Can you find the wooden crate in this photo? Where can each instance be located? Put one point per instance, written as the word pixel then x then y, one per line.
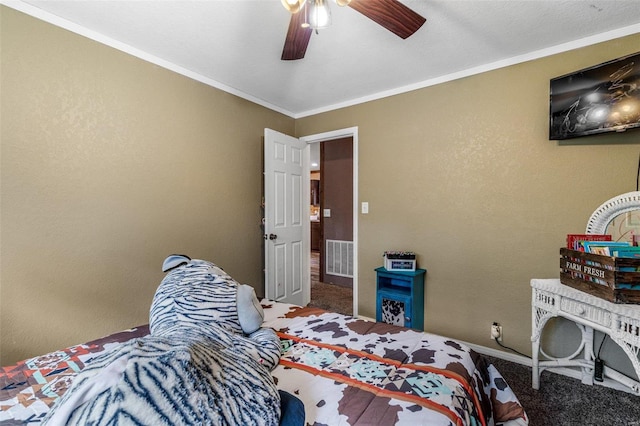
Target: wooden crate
pixel 615 279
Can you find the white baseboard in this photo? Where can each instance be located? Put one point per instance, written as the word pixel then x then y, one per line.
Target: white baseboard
pixel 362 317
pixel 496 353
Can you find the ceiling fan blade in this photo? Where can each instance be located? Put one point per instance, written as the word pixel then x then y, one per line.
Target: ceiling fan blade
pixel 295 45
pixel 391 14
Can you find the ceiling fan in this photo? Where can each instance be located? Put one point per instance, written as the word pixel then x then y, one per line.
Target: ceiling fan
pixel 307 15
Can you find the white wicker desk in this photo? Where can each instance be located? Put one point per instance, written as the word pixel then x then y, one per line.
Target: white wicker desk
pixel 550 299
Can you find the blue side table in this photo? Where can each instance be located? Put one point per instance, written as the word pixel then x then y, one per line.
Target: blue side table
pixel 400 297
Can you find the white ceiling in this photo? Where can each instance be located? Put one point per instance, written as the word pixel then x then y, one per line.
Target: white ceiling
pixel 236 45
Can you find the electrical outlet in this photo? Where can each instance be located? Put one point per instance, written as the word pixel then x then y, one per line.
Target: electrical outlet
pixel 496 332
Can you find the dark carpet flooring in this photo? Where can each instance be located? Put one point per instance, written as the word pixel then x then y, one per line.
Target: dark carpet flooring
pixel 564 401
pixel 331 297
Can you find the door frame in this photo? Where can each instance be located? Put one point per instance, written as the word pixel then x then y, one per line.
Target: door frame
pixel 323 137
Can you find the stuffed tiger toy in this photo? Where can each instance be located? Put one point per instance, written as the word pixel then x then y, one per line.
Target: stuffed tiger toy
pixel 206 360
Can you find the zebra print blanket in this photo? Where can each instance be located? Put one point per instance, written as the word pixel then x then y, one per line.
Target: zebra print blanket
pixel 196 367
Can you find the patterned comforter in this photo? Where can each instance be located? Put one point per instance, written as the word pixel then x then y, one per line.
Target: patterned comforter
pixel 353 372
pixel 345 371
pixel 29 388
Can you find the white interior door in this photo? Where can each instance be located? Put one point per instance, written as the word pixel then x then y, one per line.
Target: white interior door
pixel 286 190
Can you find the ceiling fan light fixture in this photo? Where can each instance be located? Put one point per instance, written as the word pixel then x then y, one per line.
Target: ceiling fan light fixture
pixel 319 14
pixel 293 6
pixel 343 3
pixel 305 15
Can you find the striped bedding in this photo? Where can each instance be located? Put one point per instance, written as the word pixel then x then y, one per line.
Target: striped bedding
pixel 345 371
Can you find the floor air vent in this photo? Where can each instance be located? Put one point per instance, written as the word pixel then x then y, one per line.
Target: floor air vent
pixel 339 258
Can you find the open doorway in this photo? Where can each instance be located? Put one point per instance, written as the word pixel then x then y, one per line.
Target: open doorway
pixel 332 224
pixel 286 229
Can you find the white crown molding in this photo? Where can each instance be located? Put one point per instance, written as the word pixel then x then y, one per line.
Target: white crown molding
pixel 560 48
pixel 100 38
pixel 78 29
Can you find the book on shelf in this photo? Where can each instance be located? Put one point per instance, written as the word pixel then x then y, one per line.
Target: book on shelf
pixel 574 240
pixel 632 252
pixel 604 248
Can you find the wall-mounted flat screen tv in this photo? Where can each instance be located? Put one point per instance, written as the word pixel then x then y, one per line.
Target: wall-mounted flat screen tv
pixel 603 98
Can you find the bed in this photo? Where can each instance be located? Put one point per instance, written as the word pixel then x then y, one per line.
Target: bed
pixel 346 372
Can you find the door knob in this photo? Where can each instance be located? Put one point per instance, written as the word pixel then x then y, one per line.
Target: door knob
pixel 273 236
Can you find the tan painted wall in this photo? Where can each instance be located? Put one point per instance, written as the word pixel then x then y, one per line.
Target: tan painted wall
pixel 463 174
pixel 109 164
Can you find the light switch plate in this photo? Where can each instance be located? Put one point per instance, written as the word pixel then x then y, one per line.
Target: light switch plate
pixel 365 207
pixel 326 212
